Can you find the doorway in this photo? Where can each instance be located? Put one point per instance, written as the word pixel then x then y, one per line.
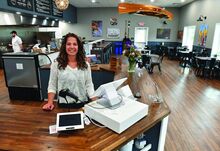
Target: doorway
pixel 140 37
pixel 188 36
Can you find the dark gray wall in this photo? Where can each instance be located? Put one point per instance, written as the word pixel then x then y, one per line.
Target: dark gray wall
pixel 190 13
pixel 86 15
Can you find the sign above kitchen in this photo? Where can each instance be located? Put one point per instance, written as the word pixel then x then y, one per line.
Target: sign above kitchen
pixel 42 6
pixel 23 4
pixel 56 11
pixel 45 7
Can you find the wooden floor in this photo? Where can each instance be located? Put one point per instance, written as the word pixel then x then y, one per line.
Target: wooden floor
pixel 194 122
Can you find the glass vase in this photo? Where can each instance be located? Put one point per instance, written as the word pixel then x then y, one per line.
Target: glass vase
pixel 131 66
pixel 154 93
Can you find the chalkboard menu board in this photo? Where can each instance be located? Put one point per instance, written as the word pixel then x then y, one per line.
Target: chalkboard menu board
pixel 56 12
pixel 23 4
pixel 47 7
pixel 43 6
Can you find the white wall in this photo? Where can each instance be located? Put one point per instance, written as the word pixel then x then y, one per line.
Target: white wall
pixel 190 13
pixel 86 15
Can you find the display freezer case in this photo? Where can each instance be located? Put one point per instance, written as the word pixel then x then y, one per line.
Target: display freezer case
pixel 22 75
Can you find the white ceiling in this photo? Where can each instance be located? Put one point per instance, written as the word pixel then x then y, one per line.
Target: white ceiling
pixel 114 3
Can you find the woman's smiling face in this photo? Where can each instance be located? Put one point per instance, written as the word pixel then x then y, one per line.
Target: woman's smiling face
pixel 71 46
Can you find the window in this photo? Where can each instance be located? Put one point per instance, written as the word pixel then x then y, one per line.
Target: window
pixel 216 43
pixel 188 36
pixel 141 37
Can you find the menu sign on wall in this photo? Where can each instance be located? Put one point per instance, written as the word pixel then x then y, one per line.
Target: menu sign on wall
pixel 56 11
pixel 23 4
pixel 43 6
pixel 47 7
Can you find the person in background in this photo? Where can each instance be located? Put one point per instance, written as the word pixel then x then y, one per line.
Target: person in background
pixel 72 72
pixel 83 40
pixel 52 43
pixel 16 42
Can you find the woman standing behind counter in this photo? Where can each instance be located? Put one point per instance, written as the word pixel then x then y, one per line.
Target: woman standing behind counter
pixel 72 72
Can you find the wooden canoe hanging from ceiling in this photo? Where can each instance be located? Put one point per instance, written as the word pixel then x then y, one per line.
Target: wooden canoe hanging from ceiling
pixel 142 9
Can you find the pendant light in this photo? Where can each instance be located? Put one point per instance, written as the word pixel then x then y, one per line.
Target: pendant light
pixel 62 4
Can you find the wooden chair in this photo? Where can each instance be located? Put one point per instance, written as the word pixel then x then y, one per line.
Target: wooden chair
pixel 200 67
pixel 209 69
pixel 216 70
pixel 155 61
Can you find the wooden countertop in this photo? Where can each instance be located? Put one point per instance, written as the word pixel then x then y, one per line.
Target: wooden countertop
pixel 24 125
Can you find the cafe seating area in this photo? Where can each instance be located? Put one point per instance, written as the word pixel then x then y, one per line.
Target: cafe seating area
pixel 199 60
pixel 207 67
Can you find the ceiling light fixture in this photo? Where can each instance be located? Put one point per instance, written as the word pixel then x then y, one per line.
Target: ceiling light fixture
pixel 62 4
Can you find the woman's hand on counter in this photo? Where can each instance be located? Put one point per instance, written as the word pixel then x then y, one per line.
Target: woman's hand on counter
pixel 48 107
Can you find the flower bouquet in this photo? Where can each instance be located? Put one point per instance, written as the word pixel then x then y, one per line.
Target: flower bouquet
pixel 132 55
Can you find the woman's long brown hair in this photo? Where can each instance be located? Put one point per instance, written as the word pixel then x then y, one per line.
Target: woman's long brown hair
pixel 80 56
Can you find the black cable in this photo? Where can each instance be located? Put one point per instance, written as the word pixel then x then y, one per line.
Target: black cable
pixel 67 105
pixel 76 104
pixel 94 122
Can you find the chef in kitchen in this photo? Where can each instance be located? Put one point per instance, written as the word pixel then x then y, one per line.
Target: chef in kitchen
pixel 16 42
